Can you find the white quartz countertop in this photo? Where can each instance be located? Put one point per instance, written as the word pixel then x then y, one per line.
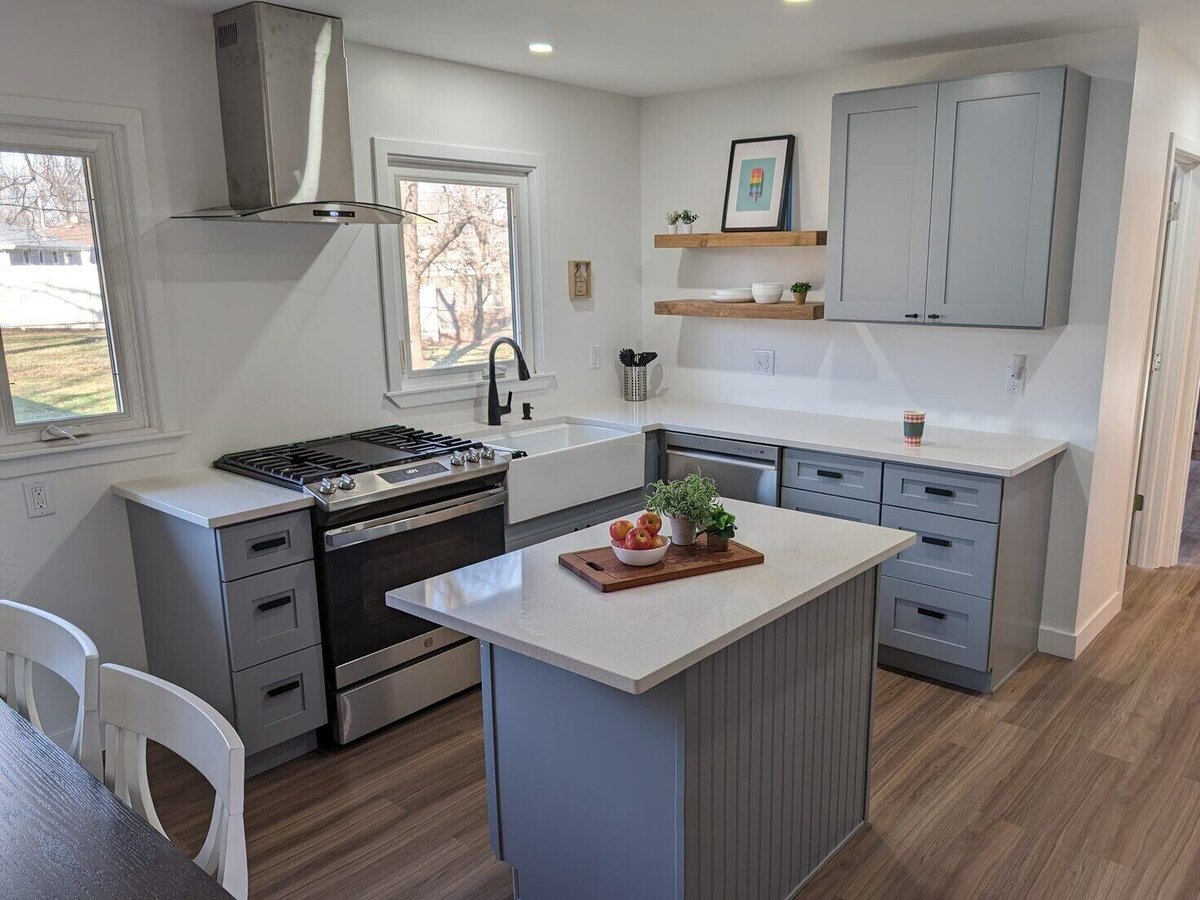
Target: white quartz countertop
pixel 982 452
pixel 637 638
pixel 211 497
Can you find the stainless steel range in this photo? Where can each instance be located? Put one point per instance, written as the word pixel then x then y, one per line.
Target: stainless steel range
pixel 393 506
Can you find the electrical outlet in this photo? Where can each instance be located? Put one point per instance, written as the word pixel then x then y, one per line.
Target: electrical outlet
pixel 1015 384
pixel 594 356
pixel 764 362
pixel 39 501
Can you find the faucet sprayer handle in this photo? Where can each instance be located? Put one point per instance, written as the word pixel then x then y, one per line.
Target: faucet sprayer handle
pixel 507 407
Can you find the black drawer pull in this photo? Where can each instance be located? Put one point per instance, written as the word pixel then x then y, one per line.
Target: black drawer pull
pixel 933 316
pixel 912 315
pixel 932 613
pixel 939 492
pixel 284 688
pixel 268 544
pixel 275 603
pixel 937 542
pixel 828 473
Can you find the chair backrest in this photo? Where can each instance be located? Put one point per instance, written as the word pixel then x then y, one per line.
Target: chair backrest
pixel 135 707
pixel 29 635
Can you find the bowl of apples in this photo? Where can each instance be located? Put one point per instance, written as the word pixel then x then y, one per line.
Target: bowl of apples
pixel 639 543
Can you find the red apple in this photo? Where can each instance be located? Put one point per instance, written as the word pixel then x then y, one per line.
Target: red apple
pixel 619 529
pixel 639 539
pixel 651 521
pixel 659 541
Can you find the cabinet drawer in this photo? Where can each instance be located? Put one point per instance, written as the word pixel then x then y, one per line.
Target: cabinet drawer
pixel 933 622
pixel 952 493
pixel 827 473
pixel 280 699
pixel 265 544
pixel 271 614
pixel 828 505
pixel 955 554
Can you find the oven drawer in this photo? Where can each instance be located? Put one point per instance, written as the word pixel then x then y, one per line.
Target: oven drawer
pixel 828 505
pixel 271 614
pixel 950 553
pixel 265 544
pixel 280 699
pixel 951 493
pixel 932 622
pixel 827 473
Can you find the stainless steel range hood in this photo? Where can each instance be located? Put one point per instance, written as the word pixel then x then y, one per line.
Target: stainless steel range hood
pixel 285 114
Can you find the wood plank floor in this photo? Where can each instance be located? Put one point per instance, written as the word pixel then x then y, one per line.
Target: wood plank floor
pixel 1075 780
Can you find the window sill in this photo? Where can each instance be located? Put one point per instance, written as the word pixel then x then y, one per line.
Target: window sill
pixel 53 456
pixel 432 395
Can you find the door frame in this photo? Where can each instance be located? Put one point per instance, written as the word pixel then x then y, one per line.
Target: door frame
pixel 1172 392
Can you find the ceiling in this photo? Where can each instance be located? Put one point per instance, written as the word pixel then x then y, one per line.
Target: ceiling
pixel 645 47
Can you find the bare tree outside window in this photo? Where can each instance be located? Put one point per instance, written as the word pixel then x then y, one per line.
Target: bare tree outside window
pixel 54 329
pixel 458 272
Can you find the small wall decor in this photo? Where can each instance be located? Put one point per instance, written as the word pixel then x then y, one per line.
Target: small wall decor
pixel 579 279
pixel 758 187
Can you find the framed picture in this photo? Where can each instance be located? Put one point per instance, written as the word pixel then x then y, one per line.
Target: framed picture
pixel 758 187
pixel 579 279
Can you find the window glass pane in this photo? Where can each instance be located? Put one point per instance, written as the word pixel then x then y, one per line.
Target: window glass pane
pixel 458 272
pixel 53 320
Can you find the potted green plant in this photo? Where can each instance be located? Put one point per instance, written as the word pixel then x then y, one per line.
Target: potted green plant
pixel 673 218
pixel 686 503
pixel 720 529
pixel 800 291
pixel 686 218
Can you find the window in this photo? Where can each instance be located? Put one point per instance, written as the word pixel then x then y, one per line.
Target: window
pixel 455 285
pixel 66 321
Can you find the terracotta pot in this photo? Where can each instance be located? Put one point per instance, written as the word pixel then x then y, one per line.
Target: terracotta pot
pixel 800 296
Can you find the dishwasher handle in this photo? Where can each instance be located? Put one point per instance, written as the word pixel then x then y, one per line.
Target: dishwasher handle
pixel 724 459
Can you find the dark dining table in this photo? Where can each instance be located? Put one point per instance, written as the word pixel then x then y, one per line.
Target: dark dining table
pixel 64 835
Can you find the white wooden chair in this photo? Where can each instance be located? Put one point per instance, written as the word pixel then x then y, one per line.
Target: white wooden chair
pixel 29 635
pixel 135 707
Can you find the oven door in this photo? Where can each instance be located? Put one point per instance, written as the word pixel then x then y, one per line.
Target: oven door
pixel 360 563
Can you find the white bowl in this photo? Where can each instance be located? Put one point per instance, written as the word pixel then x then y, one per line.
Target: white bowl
pixel 642 557
pixel 767 286
pixel 768 296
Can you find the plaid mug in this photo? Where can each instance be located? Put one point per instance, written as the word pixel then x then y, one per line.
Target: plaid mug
pixel 914 427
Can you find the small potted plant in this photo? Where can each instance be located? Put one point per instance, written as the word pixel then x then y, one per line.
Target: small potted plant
pixel 673 218
pixel 686 218
pixel 800 291
pixel 720 529
pixel 686 504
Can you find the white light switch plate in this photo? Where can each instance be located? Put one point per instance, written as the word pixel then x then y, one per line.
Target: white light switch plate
pixel 39 500
pixel 594 356
pixel 764 362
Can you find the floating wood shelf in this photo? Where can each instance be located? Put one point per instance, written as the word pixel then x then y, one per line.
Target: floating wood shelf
pixel 743 239
pixel 712 309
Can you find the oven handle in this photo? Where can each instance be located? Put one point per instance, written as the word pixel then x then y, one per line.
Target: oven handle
pixel 410 520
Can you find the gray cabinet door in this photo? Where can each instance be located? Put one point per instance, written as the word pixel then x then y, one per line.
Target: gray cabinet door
pixel 995 172
pixel 880 187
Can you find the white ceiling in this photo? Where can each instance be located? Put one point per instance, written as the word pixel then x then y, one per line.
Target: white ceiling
pixel 645 47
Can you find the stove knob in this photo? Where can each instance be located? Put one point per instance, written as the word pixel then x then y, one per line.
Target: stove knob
pixel 473 455
pixel 488 453
pixel 347 483
pixel 457 459
pixel 327 487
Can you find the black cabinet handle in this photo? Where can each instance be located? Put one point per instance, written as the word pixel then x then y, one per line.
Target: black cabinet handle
pixel 939 492
pixel 933 316
pixel 284 688
pixel 938 542
pixel 275 603
pixel 933 614
pixel 268 544
pixel 826 473
pixel 912 315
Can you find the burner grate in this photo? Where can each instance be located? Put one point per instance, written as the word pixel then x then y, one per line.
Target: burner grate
pixel 422 444
pixel 294 463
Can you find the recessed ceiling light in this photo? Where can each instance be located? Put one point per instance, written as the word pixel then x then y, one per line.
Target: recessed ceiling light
pixel 795 1
pixel 541 48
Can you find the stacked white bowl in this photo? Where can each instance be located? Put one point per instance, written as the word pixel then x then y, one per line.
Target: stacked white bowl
pixel 766 291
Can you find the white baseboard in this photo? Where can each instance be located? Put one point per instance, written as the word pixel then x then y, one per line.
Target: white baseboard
pixel 1058 642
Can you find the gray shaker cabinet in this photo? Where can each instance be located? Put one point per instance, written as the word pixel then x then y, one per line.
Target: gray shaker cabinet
pixel 999 235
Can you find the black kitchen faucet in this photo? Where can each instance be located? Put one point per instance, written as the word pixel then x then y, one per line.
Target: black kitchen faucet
pixel 495 410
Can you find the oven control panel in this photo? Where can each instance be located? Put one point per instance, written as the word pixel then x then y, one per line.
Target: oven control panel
pixel 407 473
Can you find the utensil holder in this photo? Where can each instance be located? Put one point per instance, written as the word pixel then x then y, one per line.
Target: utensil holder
pixel 634 384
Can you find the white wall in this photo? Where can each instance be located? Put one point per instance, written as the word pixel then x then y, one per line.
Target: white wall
pixel 274 331
pixel 1166 98
pixel 956 375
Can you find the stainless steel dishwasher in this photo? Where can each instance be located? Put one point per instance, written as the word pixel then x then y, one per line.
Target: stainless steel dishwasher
pixel 742 470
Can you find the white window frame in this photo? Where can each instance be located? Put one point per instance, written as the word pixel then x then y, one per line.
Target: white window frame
pixel 113 140
pixel 395 160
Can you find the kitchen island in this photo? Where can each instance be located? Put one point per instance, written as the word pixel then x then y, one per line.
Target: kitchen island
pixel 700 738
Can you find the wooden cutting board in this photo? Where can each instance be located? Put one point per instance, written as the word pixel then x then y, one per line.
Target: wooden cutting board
pixel 602 570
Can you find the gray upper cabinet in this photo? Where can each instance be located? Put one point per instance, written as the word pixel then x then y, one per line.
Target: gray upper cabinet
pixel 881 177
pixel 998 236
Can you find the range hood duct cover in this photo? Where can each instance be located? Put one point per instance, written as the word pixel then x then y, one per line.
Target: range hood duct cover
pixel 285 116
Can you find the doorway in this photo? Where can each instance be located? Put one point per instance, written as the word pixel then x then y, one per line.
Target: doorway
pixel 1168 492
